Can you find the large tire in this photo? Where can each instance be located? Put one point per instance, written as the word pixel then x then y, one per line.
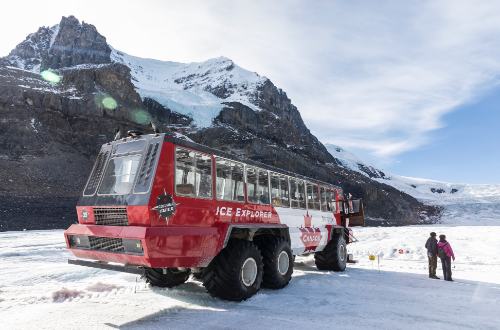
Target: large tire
pixel 334 256
pixel 171 278
pixel 198 276
pixel 236 273
pixel 278 261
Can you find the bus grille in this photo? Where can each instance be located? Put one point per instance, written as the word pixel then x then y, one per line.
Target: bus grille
pixel 106 244
pixel 111 216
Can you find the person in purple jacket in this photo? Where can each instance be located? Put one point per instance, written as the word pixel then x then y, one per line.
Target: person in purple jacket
pixel 445 253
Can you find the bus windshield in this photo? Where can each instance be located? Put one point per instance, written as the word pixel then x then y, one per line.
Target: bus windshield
pixel 120 175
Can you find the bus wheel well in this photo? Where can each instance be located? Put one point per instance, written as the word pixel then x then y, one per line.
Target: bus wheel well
pixel 251 233
pixel 340 231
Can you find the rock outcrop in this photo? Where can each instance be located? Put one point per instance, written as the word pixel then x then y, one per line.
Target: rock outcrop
pixel 66 44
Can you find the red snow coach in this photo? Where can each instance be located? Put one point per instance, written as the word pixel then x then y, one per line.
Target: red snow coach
pixel 165 208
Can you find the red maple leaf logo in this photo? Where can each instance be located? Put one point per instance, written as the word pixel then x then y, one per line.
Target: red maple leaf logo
pixel 310 236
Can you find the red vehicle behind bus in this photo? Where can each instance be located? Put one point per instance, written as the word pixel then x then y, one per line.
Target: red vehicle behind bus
pixel 166 208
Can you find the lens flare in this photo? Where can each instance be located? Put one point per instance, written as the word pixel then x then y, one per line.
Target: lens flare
pixel 109 103
pixel 141 117
pixel 51 76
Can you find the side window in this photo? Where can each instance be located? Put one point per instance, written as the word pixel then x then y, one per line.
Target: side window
pixel 275 189
pixel 193 174
pixel 263 187
pixel 284 192
pixel 279 190
pixel 229 184
pixel 184 172
pixel 239 182
pixel 257 185
pixel 203 176
pixel 333 199
pixel 325 205
pixel 293 193
pixel 330 199
pixel 312 196
pixel 252 184
pixel 297 193
pixel 301 193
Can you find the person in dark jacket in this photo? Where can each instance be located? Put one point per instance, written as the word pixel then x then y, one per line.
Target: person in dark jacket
pixel 432 252
pixel 445 253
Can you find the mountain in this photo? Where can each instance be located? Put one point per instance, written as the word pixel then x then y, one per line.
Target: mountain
pixel 466 204
pixel 66 44
pixel 194 89
pixel 64 91
pixel 351 161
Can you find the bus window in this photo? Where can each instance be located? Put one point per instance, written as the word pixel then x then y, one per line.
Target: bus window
pixel 312 196
pixel 193 174
pixel 263 187
pixel 275 189
pixel 279 190
pixel 297 193
pixel 238 178
pixel 325 205
pixel 229 184
pixel 251 184
pixel 184 172
pixel 330 199
pixel 203 176
pixel 293 193
pixel 301 194
pixel 284 192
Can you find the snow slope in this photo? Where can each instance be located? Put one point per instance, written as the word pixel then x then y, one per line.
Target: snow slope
pixel 353 162
pixel 463 204
pixel 39 290
pixel 194 89
pixel 444 193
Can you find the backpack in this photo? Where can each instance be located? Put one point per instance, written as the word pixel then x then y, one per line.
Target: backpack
pixel 441 253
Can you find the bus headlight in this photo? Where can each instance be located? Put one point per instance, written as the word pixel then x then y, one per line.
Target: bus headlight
pixel 133 246
pixel 79 241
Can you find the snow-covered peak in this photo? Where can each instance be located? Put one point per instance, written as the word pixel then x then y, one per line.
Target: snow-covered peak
pixel 195 89
pixel 220 76
pixel 352 162
pixel 66 44
pixel 426 190
pixel 28 55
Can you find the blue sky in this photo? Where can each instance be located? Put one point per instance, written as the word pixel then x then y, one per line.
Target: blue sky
pixel 397 82
pixel 467 149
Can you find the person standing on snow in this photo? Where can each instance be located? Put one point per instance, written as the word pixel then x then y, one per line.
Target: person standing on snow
pixel 432 252
pixel 445 253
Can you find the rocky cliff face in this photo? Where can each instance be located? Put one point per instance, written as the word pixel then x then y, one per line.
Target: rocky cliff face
pixel 51 127
pixel 66 44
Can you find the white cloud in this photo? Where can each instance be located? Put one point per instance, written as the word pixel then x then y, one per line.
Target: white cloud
pixel 376 76
pixel 400 71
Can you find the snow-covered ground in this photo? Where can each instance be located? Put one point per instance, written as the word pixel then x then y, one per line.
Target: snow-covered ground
pixel 39 290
